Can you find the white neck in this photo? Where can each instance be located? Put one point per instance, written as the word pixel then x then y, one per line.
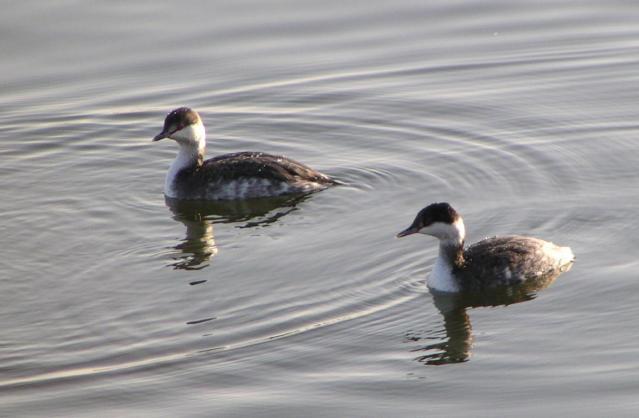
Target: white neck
pixel 441 277
pixel 187 156
pixel 451 240
pixel 192 142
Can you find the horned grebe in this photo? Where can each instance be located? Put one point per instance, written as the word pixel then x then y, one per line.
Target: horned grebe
pixel 490 263
pixel 239 175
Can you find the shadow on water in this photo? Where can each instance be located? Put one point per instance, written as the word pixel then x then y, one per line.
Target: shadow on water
pixel 454 343
pixel 195 251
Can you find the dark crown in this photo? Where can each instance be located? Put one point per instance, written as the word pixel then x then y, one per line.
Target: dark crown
pixel 436 212
pixel 181 117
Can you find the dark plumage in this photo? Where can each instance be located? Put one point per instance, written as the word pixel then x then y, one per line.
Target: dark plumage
pixel 436 212
pixel 506 261
pixel 231 176
pixel 262 174
pixel 487 264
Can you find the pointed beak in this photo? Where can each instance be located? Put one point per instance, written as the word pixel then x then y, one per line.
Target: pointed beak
pixel 161 135
pixel 408 231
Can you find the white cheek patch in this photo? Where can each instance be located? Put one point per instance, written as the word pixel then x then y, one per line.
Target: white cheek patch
pixel 193 135
pixel 446 232
pixel 437 229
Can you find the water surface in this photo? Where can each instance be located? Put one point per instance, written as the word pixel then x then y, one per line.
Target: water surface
pixel 115 302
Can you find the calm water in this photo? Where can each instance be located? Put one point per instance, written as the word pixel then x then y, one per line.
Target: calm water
pixel 114 302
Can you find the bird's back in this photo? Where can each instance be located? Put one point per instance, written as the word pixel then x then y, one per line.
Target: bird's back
pixel 511 260
pixel 246 175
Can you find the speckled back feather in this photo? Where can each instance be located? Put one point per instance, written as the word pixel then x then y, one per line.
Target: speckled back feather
pixel 252 174
pixel 508 261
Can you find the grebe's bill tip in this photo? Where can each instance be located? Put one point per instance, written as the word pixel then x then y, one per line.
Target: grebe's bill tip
pixel 159 136
pixel 408 231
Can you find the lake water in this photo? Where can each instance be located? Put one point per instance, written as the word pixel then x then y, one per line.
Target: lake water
pixel 114 302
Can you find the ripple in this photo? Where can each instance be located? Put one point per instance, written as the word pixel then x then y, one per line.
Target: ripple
pixel 521 115
pixel 332 317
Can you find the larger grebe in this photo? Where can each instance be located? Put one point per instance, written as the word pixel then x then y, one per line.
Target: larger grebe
pixel 490 263
pixel 239 175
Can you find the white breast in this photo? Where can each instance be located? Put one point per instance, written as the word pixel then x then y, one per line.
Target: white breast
pixel 186 157
pixel 441 278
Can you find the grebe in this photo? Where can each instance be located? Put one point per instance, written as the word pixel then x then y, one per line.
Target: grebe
pixel 238 175
pixel 490 263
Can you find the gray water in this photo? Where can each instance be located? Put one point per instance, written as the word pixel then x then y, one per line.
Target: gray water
pixel 113 302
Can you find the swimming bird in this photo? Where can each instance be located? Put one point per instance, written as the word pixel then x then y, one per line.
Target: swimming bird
pixel 491 263
pixel 239 175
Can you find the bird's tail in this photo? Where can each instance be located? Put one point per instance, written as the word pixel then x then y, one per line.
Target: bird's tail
pixel 565 257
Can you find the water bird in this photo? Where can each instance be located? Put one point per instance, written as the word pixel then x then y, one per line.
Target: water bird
pixel 239 175
pixel 488 264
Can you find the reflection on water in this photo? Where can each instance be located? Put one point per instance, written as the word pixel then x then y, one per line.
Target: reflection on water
pixel 194 252
pixel 453 344
pixel 523 113
pixel 197 248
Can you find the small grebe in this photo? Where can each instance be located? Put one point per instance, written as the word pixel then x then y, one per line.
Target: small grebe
pixel 238 175
pixel 490 263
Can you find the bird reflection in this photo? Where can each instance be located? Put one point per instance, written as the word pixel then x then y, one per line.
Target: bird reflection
pixel 195 251
pixel 453 344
